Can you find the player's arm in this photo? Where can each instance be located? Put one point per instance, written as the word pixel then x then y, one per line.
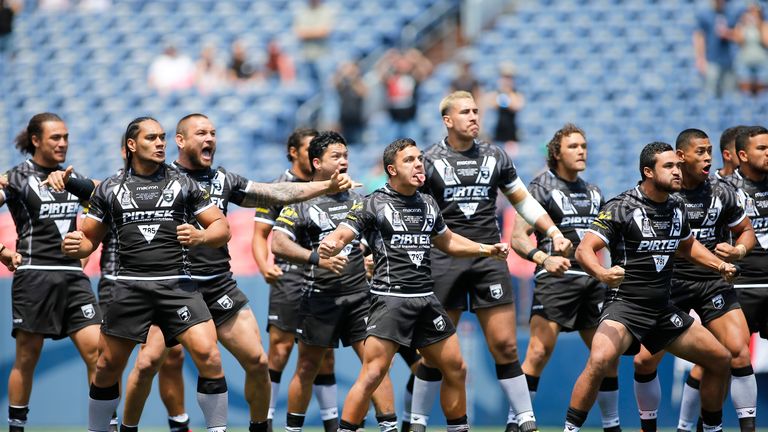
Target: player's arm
pixel 9 258
pixel 745 240
pixel 284 247
pixel 586 255
pixel 535 215
pixel 80 244
pixel 459 246
pixel 523 246
pixel 215 232
pixel 334 242
pixel 3 186
pixel 63 180
pixel 697 253
pixel 272 194
pixel 260 250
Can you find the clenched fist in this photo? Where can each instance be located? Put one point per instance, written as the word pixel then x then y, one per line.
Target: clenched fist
pixel 188 235
pixel 613 276
pixel 71 243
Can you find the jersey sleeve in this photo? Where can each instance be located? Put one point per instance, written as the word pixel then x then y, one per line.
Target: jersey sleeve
pixel 289 221
pixel 238 186
pixel 685 230
pixel 508 178
pixel 98 205
pixel 735 212
pixel 12 190
pixel 607 225
pixel 198 199
pixel 360 217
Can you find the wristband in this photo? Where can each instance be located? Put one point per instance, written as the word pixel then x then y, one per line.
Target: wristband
pixel 554 230
pixel 742 250
pixel 483 252
pixel 314 258
pixel 533 252
pixel 79 187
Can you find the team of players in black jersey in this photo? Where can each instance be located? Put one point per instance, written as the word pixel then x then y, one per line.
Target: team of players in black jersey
pixel 435 250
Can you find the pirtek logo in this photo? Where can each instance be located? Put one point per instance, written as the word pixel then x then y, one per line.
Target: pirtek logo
pixel 456 192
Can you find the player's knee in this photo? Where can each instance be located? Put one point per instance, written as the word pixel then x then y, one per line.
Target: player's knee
pixel 374 374
pixel 644 365
pixel 329 361
pixel 504 350
pixel 720 359
pixel 256 363
pixel 147 366
pixel 208 361
pixel 279 352
pixel 455 369
pixel 601 362
pixel 538 353
pixel 740 356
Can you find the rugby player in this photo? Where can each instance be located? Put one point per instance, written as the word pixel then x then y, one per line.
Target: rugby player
pixel 728 151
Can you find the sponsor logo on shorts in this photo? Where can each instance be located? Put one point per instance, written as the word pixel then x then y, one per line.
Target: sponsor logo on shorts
pixel 299 331
pixel 18 320
pixel 439 323
pixel 369 328
pixel 273 317
pixel 537 307
pixel 225 302
pixel 184 313
pixel 365 320
pixel 718 301
pixel 88 311
pixel 676 320
pixel 496 291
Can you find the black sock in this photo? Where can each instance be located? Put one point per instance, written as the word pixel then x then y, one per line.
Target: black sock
pixel 576 417
pixel 387 422
pixel 275 376
pixel 124 428
pixel 258 427
pixel 177 426
pixel 648 425
pixel 17 416
pixel 533 382
pixel 294 421
pixel 345 426
pixel 712 418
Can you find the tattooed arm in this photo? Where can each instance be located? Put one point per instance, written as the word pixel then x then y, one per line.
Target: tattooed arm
pixel 270 194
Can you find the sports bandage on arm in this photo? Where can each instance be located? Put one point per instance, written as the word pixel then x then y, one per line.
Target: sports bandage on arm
pixel 530 209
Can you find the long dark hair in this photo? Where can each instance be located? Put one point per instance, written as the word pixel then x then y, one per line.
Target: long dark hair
pixel 23 140
pixel 131 132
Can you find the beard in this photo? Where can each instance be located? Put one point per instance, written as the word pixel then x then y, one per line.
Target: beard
pixel 667 187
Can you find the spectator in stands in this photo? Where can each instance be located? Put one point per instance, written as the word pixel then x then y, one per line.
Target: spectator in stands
pixel 240 67
pixel 279 64
pixel 352 92
pixel 751 33
pixel 171 71
pixel 53 5
pixel 712 43
pixel 93 6
pixel 401 74
pixel 507 101
pixel 8 9
pixel 313 24
pixel 466 81
pixel 210 75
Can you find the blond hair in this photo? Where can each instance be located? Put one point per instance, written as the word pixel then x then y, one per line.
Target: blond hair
pixel 447 101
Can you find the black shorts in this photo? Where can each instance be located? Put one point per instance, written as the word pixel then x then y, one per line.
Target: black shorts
pixel 52 303
pixel 573 300
pixel 470 283
pixel 174 305
pixel 325 318
pixel 710 299
pixel 754 303
pixel 415 322
pixel 654 328
pixel 223 297
pixel 284 300
pixel 104 290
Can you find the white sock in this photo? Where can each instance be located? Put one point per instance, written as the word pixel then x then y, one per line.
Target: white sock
pixel 690 405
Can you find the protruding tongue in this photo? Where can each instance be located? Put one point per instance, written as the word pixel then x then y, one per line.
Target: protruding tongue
pixel 421 177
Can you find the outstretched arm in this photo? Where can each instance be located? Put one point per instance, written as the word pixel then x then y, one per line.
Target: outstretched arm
pixel 459 246
pixel 271 194
pixel 284 247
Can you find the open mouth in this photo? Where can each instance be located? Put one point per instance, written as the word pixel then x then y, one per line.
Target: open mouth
pixel 420 177
pixel 207 153
pixel 706 169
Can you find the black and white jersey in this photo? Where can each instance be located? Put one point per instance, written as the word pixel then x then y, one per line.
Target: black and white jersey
pixel 753 198
pixel 145 212
pixel 308 223
pixel 223 187
pixel 42 217
pixel 713 209
pixel 642 236
pixel 399 230
pixel 268 215
pixel 465 186
pixel 571 205
pixel 108 262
